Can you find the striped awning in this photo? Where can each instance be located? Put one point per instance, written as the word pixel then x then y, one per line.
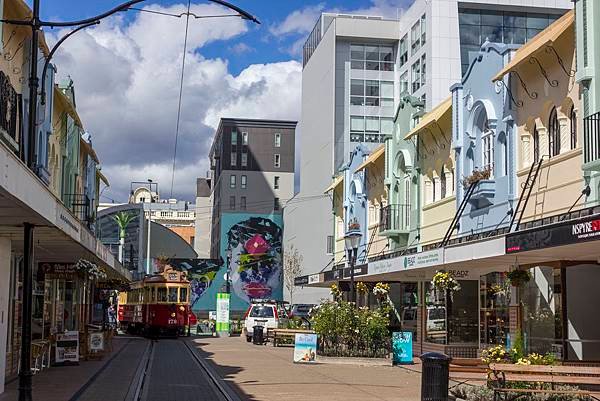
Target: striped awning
pixel 433 116
pixel 538 43
pixel 373 157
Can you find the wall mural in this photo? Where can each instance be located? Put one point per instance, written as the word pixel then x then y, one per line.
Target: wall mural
pixel 202 274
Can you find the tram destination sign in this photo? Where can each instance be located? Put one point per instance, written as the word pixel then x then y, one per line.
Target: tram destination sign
pixel 570 232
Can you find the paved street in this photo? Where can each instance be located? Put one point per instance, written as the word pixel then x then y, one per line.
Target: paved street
pixel 266 373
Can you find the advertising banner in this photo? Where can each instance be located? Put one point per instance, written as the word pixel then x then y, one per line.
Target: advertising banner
pixel 96 341
pixel 67 347
pixel 305 348
pixel 402 346
pixel 222 312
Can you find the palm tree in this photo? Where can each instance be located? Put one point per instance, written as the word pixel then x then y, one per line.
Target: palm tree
pixel 122 219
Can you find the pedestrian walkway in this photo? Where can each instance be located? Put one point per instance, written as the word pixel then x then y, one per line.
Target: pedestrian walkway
pixel 267 373
pixel 82 382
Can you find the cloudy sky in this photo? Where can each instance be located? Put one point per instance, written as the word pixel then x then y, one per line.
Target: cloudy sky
pixel 127 71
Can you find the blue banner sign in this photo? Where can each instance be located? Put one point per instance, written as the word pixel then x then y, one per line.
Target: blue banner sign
pixel 402 346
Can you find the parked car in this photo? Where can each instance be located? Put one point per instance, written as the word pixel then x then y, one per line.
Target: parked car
pixel 301 310
pixel 266 313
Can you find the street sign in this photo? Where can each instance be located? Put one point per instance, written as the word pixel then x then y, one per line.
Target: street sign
pixel 223 312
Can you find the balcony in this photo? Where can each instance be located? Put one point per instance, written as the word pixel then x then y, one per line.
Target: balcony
pixel 591 138
pixel 10 113
pixel 394 220
pixel 483 194
pixel 80 205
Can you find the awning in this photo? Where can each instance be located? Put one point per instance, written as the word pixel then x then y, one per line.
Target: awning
pixel 66 103
pixel 373 157
pixel 103 178
pixel 88 149
pixel 434 115
pixel 538 42
pixel 336 181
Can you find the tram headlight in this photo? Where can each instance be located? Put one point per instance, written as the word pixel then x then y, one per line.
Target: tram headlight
pixel 181 308
pixel 173 314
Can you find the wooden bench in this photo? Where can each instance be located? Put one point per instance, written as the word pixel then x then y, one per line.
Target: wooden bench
pixel 287 334
pixel 502 374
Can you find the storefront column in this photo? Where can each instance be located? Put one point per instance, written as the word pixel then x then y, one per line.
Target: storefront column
pixel 25 371
pixel 5 257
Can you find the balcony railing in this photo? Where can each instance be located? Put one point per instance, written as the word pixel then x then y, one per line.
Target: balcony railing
pixel 80 205
pixel 591 138
pixel 10 111
pixel 394 219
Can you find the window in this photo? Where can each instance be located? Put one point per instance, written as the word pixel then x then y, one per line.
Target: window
pixel 573 118
pixel 232 202
pixel 276 205
pixel 232 181
pixel 434 189
pixel 277 140
pixel 233 159
pixel 244 159
pixel 172 294
pixel 423 70
pixel 233 137
pixel 330 244
pixel 404 82
pixel 403 50
pixel 243 203
pixel 370 129
pixel 371 93
pixel 423 29
pixel 243 181
pixel 416 75
pixel 407 201
pixel 415 37
pixel 372 57
pixel 443 183
pixel 487 147
pixel 161 294
pixel 277 160
pixel 244 138
pixel 387 93
pixel 276 182
pixel 553 134
pixel 183 294
pixel 536 144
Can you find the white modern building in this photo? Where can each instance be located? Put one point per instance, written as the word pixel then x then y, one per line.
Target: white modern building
pixel 355 70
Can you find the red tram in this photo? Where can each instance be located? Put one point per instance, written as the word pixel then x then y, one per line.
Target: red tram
pixel 159 305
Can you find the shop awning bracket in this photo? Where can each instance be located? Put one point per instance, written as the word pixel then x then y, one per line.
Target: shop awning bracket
pixel 569 72
pixel 517 103
pixel 532 94
pixel 534 60
pixel 458 214
pixel 527 187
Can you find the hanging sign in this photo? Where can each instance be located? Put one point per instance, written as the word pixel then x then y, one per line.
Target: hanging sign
pixel 305 348
pixel 67 347
pixel 223 312
pixel 402 346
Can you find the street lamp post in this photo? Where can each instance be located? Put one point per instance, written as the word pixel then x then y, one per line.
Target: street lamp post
pixel 149 226
pixel 352 241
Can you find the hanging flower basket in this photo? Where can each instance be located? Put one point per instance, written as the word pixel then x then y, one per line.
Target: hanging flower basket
pixel 92 270
pixel 381 290
pixel 444 281
pixel 518 277
pixel 362 288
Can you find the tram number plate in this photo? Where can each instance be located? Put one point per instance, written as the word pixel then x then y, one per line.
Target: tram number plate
pixel 172 321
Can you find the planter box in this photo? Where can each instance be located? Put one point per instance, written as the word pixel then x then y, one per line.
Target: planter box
pixel 484 193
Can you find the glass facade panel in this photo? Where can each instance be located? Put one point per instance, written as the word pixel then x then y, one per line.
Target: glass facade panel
pixel 404 82
pixel 357 123
pixel 387 126
pixel 387 89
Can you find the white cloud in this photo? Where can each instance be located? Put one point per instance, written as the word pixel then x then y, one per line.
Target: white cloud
pixel 241 48
pixel 126 77
pixel 299 21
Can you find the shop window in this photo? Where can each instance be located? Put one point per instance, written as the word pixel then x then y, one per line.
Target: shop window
pixel 494 299
pixel 553 134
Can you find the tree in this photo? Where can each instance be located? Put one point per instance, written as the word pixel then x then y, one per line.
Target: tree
pixel 292 268
pixel 122 219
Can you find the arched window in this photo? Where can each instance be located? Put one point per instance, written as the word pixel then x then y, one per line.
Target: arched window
pixel 443 183
pixel 553 134
pixel 536 144
pixel 573 118
pixel 487 142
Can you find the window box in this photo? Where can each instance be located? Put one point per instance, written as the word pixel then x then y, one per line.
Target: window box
pixel 483 194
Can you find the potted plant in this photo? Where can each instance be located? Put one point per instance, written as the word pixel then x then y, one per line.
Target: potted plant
pixel 518 277
pixel 476 176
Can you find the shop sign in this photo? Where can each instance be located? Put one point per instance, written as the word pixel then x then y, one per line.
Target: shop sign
pixel 67 347
pixel 582 230
pixel 402 347
pixel 423 259
pixel 313 278
pixel 358 271
pixel 223 312
pixel 66 222
pixel 96 341
pixel 302 280
pixel 383 266
pixel 305 348
pixel 58 270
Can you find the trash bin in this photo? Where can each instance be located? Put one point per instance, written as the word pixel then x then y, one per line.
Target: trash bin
pixel 434 377
pixel 257 335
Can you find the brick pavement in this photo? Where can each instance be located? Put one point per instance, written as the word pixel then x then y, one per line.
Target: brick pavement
pixel 267 373
pixel 62 383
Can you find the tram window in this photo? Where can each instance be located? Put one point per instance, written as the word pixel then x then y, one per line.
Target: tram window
pixel 173 294
pixel 183 294
pixel 161 294
pixel 152 294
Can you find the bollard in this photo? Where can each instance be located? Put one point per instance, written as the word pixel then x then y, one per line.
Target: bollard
pixel 435 376
pixel 257 335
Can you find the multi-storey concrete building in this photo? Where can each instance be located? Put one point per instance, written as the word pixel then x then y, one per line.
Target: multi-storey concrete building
pixel 357 68
pixel 203 218
pixel 252 177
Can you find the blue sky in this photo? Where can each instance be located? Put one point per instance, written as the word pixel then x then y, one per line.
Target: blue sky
pixel 126 73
